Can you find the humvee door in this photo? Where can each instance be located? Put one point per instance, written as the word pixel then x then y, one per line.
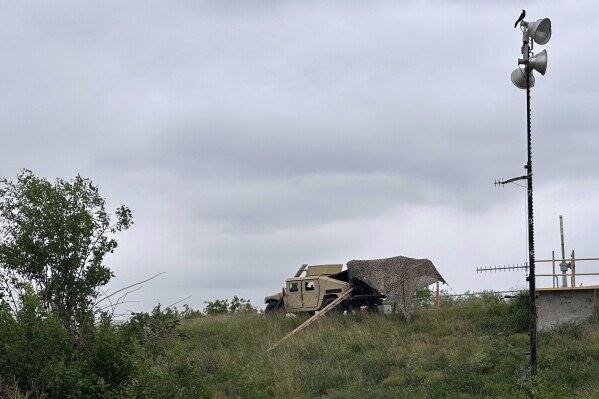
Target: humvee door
pixel 302 294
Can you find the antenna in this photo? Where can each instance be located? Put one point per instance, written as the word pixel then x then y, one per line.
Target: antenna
pixel 501 182
pixel 563 266
pixel 523 266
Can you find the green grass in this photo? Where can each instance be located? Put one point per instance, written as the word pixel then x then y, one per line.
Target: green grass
pixel 467 349
pixel 470 348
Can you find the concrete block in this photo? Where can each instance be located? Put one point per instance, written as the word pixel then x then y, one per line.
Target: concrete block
pixel 565 305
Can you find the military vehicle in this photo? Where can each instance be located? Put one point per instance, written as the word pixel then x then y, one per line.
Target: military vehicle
pixel 363 284
pixel 314 287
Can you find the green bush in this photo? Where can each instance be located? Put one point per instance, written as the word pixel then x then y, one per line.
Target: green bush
pixel 144 357
pixel 40 355
pixel 223 306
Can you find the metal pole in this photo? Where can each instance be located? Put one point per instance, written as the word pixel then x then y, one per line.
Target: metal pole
pixel 577 259
pixel 564 269
pixel 554 278
pixel 531 236
pixel 561 233
pixel 573 267
pixel 570 274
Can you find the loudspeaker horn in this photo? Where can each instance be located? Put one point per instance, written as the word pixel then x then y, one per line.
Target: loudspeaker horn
pixel 539 62
pixel 519 78
pixel 540 30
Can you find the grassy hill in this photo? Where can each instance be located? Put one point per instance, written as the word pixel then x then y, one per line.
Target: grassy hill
pixel 469 348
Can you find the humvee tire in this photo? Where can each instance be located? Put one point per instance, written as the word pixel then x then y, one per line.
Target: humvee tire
pixel 271 307
pixel 337 309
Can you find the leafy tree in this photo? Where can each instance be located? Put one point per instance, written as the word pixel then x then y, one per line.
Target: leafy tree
pixel 222 306
pixel 240 305
pixel 218 306
pixel 53 237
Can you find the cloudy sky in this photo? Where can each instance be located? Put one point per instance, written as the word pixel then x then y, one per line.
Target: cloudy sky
pixel 249 137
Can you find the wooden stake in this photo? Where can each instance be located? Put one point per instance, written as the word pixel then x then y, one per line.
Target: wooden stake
pixel 438 299
pixel 315 317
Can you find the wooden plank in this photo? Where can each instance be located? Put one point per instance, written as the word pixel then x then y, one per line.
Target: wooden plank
pixel 301 269
pixel 312 319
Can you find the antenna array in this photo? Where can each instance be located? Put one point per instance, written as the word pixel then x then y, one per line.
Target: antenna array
pixel 509 268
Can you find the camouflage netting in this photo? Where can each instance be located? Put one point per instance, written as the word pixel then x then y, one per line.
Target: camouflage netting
pixel 398 278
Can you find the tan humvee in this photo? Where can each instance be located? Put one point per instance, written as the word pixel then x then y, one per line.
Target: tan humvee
pixel 314 287
pixel 309 290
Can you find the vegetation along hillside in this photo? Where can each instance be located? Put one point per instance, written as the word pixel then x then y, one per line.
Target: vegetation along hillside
pixel 470 348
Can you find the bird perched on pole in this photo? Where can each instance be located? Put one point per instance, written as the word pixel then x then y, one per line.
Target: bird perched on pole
pixel 521 18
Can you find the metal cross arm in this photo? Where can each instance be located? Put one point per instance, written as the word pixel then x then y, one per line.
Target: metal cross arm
pixel 513 179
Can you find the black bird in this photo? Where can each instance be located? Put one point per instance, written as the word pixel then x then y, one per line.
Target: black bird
pixel 521 18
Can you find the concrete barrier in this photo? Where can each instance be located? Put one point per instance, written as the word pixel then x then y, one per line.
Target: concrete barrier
pixel 565 305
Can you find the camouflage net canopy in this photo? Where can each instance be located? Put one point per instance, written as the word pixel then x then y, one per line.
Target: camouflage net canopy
pixel 398 278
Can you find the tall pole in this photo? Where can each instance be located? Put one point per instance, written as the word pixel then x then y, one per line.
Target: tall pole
pixel 531 233
pixel 531 242
pixel 538 32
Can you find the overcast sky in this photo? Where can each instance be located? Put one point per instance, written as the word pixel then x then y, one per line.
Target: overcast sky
pixel 249 137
